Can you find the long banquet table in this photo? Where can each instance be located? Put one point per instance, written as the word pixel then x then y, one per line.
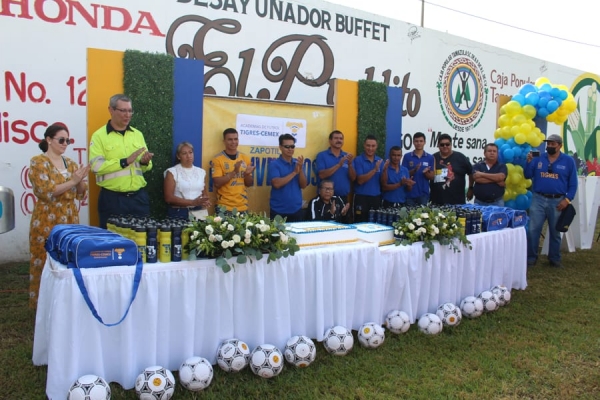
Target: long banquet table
pixel 188 308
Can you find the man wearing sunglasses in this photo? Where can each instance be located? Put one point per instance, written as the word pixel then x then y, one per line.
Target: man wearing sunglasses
pixel 452 168
pixel 326 206
pixel 119 158
pixel 554 176
pixel 287 179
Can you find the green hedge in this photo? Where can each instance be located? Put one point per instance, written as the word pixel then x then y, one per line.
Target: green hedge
pixel 372 107
pixel 148 81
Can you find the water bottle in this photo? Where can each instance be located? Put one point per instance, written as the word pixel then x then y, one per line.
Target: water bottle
pixel 140 240
pixel 164 254
pixel 185 238
pixel 462 219
pixel 176 249
pixel 151 245
pixel 372 215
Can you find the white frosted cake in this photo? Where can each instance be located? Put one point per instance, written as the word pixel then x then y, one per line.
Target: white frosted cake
pixel 375 233
pixel 312 233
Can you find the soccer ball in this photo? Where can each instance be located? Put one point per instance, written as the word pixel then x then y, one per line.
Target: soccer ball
pixel 397 321
pixel 338 341
pixel 155 383
pixel 233 355
pixel 266 360
pixel 195 374
pixel 300 351
pixel 503 294
pixel 471 307
pixel 371 335
pixel 449 314
pixel 89 387
pixel 489 300
pixel 430 324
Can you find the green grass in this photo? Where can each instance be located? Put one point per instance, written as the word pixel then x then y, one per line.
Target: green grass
pixel 544 345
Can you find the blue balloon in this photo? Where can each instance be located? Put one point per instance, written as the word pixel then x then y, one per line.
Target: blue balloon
pixel 546 87
pixel 532 98
pixel 519 98
pixel 558 101
pixel 511 142
pixel 510 204
pixel 529 194
pixel 563 95
pixel 542 112
pixel 500 142
pixel 555 92
pixel 551 106
pixel 517 151
pixel 543 102
pixel 505 147
pixel 528 88
pixel 522 202
pixel 508 155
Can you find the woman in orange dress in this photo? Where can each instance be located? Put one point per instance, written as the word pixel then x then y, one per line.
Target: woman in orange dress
pixel 57 181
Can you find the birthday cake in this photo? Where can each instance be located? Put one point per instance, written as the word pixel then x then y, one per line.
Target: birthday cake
pixel 375 233
pixel 312 233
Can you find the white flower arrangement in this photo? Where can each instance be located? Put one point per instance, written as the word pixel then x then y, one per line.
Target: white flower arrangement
pixel 239 235
pixel 425 224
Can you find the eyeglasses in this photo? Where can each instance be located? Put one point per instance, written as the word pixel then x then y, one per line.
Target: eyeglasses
pixel 550 169
pixel 327 189
pixel 288 146
pixel 62 140
pixel 444 145
pixel 124 111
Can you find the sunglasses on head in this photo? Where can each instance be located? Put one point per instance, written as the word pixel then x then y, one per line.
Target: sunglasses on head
pixel 444 144
pixel 62 140
pixel 289 146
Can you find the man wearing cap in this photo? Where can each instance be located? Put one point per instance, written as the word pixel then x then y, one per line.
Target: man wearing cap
pixel 554 176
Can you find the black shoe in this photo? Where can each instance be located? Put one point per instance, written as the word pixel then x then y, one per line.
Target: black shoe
pixel 556 264
pixel 531 263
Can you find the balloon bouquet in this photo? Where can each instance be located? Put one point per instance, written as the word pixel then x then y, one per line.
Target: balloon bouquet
pixel 518 134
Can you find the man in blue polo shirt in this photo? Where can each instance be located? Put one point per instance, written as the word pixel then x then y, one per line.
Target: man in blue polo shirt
pixel 365 170
pixel 421 167
pixel 395 181
pixel 333 164
pixel 287 179
pixel 554 176
pixel 487 180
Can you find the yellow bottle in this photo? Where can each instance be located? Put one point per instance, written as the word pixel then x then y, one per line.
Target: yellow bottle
pixel 164 254
pixel 140 240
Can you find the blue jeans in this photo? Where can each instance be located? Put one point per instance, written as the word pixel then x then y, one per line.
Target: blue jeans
pixel 498 203
pixel 543 208
pixel 417 201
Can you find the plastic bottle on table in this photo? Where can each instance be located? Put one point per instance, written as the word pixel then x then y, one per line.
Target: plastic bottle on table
pixel 164 254
pixel 151 245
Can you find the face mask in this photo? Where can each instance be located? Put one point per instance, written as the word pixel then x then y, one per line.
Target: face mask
pixel 551 150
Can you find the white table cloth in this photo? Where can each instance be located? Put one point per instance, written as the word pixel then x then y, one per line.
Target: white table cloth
pixel 188 308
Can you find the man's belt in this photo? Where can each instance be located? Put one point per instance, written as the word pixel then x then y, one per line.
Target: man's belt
pixel 125 194
pixel 489 200
pixel 550 195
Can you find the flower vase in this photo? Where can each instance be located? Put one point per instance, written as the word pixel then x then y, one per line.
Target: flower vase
pixel 192 256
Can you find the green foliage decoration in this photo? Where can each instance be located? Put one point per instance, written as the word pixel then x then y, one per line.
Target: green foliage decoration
pixel 148 81
pixel 372 108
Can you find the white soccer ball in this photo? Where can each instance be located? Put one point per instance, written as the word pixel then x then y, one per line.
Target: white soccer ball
pixel 300 351
pixel 233 355
pixel 155 383
pixel 397 321
pixel 471 307
pixel 489 300
pixel 195 374
pixel 430 324
pixel 503 294
pixel 371 335
pixel 449 314
pixel 89 387
pixel 338 340
pixel 266 360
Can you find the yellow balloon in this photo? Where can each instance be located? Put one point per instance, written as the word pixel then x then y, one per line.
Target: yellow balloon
pixel 540 81
pixel 536 142
pixel 525 128
pixel 531 137
pixel 528 183
pixel 514 130
pixel 520 138
pixel 508 180
pixel 498 133
pixel 518 119
pixel 513 107
pixel 529 111
pixel 510 167
pixel 506 196
pixel 522 191
pixel 503 121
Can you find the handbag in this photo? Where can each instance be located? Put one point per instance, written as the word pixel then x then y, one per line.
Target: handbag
pixel 567 215
pixel 198 215
pixel 80 246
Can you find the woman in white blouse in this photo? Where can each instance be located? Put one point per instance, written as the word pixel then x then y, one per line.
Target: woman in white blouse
pixel 184 185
